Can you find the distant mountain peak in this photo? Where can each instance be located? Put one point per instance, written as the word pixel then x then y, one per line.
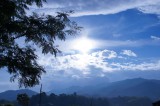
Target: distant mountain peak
pixel 12 94
pixel 139 87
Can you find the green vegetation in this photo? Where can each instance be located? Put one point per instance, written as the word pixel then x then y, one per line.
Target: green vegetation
pixel 39 30
pixel 6 103
pixel 77 100
pixel 23 99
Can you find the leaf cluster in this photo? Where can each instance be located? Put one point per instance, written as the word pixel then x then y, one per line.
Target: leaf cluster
pixel 39 30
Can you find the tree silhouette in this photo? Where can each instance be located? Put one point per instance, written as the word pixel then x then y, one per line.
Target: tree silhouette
pixel 8 104
pixel 23 99
pixel 40 30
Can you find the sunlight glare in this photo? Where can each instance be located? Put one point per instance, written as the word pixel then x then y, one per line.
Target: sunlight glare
pixel 83 45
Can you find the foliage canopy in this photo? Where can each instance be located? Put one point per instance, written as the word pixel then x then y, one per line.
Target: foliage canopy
pixel 23 99
pixel 40 30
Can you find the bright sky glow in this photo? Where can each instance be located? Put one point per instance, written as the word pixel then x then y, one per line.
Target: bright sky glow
pixel 119 38
pixel 83 45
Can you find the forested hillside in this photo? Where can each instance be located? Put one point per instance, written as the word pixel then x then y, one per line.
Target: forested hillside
pixel 77 100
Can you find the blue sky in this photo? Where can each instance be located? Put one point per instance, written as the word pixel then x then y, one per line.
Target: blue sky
pixel 120 39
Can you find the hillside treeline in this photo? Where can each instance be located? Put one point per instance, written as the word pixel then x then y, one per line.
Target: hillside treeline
pixel 77 100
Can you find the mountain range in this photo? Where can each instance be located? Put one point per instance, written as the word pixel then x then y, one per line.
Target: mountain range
pixel 130 87
pixel 137 87
pixel 12 94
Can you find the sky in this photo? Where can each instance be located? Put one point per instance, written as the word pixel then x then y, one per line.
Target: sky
pixel 120 40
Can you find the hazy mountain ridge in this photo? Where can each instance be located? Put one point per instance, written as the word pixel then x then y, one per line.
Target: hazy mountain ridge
pixel 133 87
pixel 137 87
pixel 130 87
pixel 12 94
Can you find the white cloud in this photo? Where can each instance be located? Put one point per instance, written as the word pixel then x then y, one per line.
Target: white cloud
pixel 129 53
pixel 94 7
pixel 75 76
pixel 122 43
pixel 69 45
pixel 109 54
pixel 144 66
pixel 94 64
pixel 151 9
pixel 155 38
pixel 78 64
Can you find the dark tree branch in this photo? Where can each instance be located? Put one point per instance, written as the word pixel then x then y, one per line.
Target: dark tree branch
pixel 41 30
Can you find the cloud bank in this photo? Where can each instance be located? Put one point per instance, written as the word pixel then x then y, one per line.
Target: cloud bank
pixel 128 53
pixel 95 7
pixel 155 38
pixel 97 63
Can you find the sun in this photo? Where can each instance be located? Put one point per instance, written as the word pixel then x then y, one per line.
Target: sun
pixel 83 45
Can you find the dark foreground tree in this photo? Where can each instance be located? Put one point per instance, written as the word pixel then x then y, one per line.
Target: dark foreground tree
pixel 40 30
pixel 23 99
pixel 7 104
